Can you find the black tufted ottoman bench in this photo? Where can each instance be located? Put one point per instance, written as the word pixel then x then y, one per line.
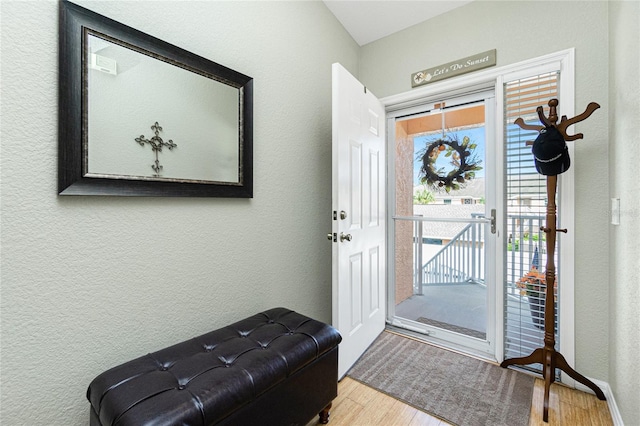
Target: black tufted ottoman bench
pixel 274 368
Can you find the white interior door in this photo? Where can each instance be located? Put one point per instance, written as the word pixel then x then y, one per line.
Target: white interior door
pixel 358 225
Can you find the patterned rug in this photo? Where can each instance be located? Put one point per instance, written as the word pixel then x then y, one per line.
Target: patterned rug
pixel 461 390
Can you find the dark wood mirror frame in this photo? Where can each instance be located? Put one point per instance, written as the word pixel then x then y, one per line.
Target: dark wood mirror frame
pixel 73 178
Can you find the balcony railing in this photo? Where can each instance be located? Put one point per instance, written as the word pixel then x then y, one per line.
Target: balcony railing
pixel 462 258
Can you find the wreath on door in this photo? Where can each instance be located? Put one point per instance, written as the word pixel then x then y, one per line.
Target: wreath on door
pixel 465 163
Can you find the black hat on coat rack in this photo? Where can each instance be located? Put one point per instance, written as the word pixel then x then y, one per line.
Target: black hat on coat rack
pixel 550 152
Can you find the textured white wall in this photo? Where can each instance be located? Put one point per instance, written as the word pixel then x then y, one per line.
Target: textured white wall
pixel 90 282
pixel 624 369
pixel 87 283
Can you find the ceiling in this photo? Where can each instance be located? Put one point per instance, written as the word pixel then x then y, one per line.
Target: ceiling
pixel 370 20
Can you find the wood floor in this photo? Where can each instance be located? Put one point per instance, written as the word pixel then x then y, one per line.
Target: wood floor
pixel 360 405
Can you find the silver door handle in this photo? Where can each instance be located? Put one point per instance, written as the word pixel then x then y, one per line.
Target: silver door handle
pixel 493 221
pixel 344 237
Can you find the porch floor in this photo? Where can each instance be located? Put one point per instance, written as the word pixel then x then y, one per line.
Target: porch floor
pixel 461 307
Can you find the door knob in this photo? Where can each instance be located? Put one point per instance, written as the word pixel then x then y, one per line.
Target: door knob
pixel 344 237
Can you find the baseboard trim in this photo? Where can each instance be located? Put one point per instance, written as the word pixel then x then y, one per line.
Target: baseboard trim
pixel 611 401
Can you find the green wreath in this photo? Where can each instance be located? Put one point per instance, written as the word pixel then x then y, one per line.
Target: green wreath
pixel 465 163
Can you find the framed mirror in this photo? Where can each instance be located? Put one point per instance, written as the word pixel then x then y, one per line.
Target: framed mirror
pixel 141 117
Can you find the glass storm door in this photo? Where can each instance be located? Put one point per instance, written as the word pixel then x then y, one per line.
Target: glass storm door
pixel 443 177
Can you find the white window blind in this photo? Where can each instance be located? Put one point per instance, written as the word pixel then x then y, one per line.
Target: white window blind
pixel 526 208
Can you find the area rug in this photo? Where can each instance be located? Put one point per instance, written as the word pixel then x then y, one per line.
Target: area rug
pixel 459 389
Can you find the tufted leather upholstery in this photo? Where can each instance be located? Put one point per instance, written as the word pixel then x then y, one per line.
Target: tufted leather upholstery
pixel 207 379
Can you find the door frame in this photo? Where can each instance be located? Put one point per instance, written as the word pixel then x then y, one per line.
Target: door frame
pixel 486 349
pixel 563 60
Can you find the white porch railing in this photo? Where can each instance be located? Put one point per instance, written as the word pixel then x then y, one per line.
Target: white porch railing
pixel 462 258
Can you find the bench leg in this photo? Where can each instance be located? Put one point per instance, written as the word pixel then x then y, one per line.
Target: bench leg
pixel 324 415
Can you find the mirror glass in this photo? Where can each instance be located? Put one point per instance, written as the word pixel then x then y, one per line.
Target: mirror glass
pixel 150 119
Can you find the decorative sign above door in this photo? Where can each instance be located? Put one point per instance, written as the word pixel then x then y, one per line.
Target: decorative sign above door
pixel 461 66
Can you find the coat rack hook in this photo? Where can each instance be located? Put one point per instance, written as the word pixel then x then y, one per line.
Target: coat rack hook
pixel 553 118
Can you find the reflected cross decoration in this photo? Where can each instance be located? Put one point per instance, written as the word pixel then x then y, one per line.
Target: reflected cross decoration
pixel 156 143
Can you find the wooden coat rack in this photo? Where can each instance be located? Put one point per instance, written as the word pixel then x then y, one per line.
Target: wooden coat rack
pixel 547 355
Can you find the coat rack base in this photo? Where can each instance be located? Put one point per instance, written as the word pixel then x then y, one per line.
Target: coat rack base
pixel 550 360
